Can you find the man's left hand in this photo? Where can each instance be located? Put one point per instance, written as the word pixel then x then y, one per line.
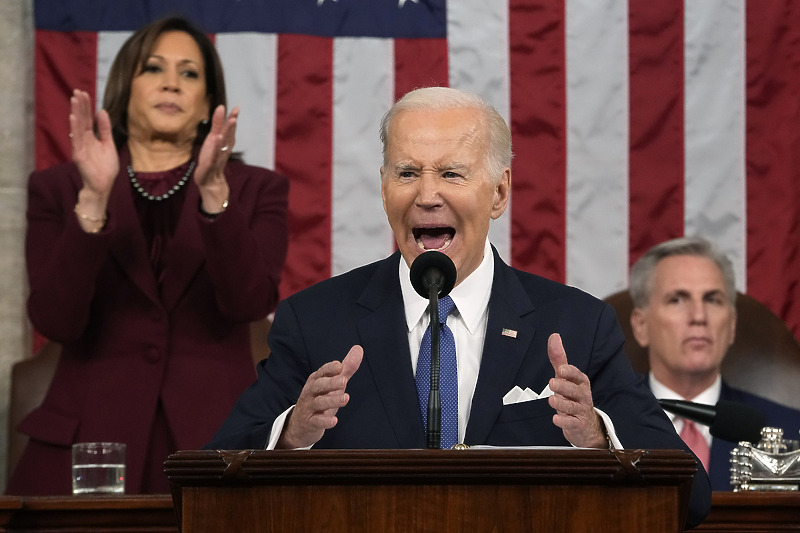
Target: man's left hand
pixel 572 400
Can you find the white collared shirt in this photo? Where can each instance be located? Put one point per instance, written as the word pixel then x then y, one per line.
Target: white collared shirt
pixel 467 322
pixel 710 396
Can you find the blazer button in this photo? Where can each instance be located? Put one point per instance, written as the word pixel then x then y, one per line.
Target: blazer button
pixel 153 355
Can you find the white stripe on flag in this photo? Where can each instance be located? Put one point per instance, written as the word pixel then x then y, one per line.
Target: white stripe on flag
pixel 250 61
pixel 363 90
pixel 597 145
pixel 108 44
pixel 715 126
pixel 477 39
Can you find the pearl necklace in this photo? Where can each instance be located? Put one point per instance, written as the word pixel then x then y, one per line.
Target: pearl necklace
pixel 173 190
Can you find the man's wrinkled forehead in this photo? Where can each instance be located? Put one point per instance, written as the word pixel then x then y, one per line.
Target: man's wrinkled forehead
pixel 433 129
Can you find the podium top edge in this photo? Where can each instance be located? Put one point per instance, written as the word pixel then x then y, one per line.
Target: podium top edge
pixel 421 466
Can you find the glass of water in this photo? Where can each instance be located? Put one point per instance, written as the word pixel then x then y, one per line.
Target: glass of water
pixel 98 468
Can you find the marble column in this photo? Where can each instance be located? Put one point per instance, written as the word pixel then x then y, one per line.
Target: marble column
pixel 16 162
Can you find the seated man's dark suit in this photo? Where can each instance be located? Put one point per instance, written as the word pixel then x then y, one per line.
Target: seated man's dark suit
pixel 365 306
pixel 776 415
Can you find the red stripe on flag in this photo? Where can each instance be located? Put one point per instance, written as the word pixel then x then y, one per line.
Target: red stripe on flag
pixel 419 63
pixel 63 62
pixel 303 151
pixel 773 157
pixel 656 123
pixel 538 126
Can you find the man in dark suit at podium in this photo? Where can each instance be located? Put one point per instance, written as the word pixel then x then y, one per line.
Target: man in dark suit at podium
pixel 538 363
pixel 684 313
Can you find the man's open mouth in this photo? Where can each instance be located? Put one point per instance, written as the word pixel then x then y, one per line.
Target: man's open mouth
pixel 437 238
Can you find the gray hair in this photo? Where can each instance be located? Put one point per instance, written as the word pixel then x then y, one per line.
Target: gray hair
pixel 641 283
pixel 444 98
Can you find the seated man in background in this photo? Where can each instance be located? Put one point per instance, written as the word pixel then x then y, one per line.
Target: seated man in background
pixel 684 313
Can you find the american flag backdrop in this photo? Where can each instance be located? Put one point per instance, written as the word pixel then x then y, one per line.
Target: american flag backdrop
pixel 633 121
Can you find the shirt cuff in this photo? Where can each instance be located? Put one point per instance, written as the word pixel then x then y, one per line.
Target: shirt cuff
pixel 612 434
pixel 277 429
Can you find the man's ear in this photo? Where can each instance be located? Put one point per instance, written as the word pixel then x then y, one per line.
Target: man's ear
pixel 383 191
pixel 735 319
pixel 639 326
pixel 502 191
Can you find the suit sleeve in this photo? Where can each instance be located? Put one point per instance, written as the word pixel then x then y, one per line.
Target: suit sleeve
pixel 246 245
pixel 281 378
pixel 62 260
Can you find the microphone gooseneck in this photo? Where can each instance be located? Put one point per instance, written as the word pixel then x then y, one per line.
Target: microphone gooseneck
pixel 696 412
pixel 731 421
pixel 433 432
pixel 433 276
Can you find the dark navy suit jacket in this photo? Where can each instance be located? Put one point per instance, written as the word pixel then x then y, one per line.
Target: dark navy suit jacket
pixel 776 415
pixel 365 306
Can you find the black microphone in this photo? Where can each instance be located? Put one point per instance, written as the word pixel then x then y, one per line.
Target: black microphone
pixel 731 421
pixel 433 276
pixel 433 268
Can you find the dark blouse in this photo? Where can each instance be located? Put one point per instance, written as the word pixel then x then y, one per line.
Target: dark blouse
pixel 159 218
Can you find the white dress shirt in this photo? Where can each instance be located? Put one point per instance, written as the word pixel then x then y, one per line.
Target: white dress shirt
pixel 467 322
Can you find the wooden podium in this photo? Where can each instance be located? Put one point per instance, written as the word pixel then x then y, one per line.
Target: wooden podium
pixel 442 491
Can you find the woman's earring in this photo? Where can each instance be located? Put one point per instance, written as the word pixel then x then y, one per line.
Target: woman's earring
pixel 203 127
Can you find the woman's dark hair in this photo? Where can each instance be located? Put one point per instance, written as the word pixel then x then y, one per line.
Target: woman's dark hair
pixel 131 59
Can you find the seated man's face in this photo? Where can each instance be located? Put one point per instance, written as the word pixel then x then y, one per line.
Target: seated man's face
pixel 689 321
pixel 436 189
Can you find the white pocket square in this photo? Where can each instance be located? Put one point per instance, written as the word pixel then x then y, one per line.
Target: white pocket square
pixel 517 395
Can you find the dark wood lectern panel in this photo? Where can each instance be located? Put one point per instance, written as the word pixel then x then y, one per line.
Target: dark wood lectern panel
pixel 753 512
pixel 412 508
pixel 743 512
pixel 441 491
pixel 90 514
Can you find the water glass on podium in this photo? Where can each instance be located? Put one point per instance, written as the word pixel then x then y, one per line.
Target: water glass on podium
pixel 98 468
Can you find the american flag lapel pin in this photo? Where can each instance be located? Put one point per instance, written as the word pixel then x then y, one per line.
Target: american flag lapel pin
pixel 509 333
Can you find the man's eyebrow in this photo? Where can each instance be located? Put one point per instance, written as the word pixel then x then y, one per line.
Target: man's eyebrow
pixel 686 292
pixel 678 292
pixel 715 292
pixel 446 167
pixel 404 166
pixel 452 166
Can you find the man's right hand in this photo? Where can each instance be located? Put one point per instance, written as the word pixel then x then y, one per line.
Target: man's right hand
pixel 321 397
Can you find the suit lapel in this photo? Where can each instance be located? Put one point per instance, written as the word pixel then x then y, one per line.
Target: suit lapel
pixel 502 354
pixel 185 254
pixel 385 341
pixel 130 249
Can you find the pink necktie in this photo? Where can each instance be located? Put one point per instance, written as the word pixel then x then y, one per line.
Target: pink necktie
pixel 695 440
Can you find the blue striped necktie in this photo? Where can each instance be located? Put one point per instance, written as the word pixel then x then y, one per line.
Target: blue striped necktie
pixel 448 375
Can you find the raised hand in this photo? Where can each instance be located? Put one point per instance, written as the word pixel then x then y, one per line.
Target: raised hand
pixel 572 400
pixel 321 397
pixel 95 155
pixel 214 154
